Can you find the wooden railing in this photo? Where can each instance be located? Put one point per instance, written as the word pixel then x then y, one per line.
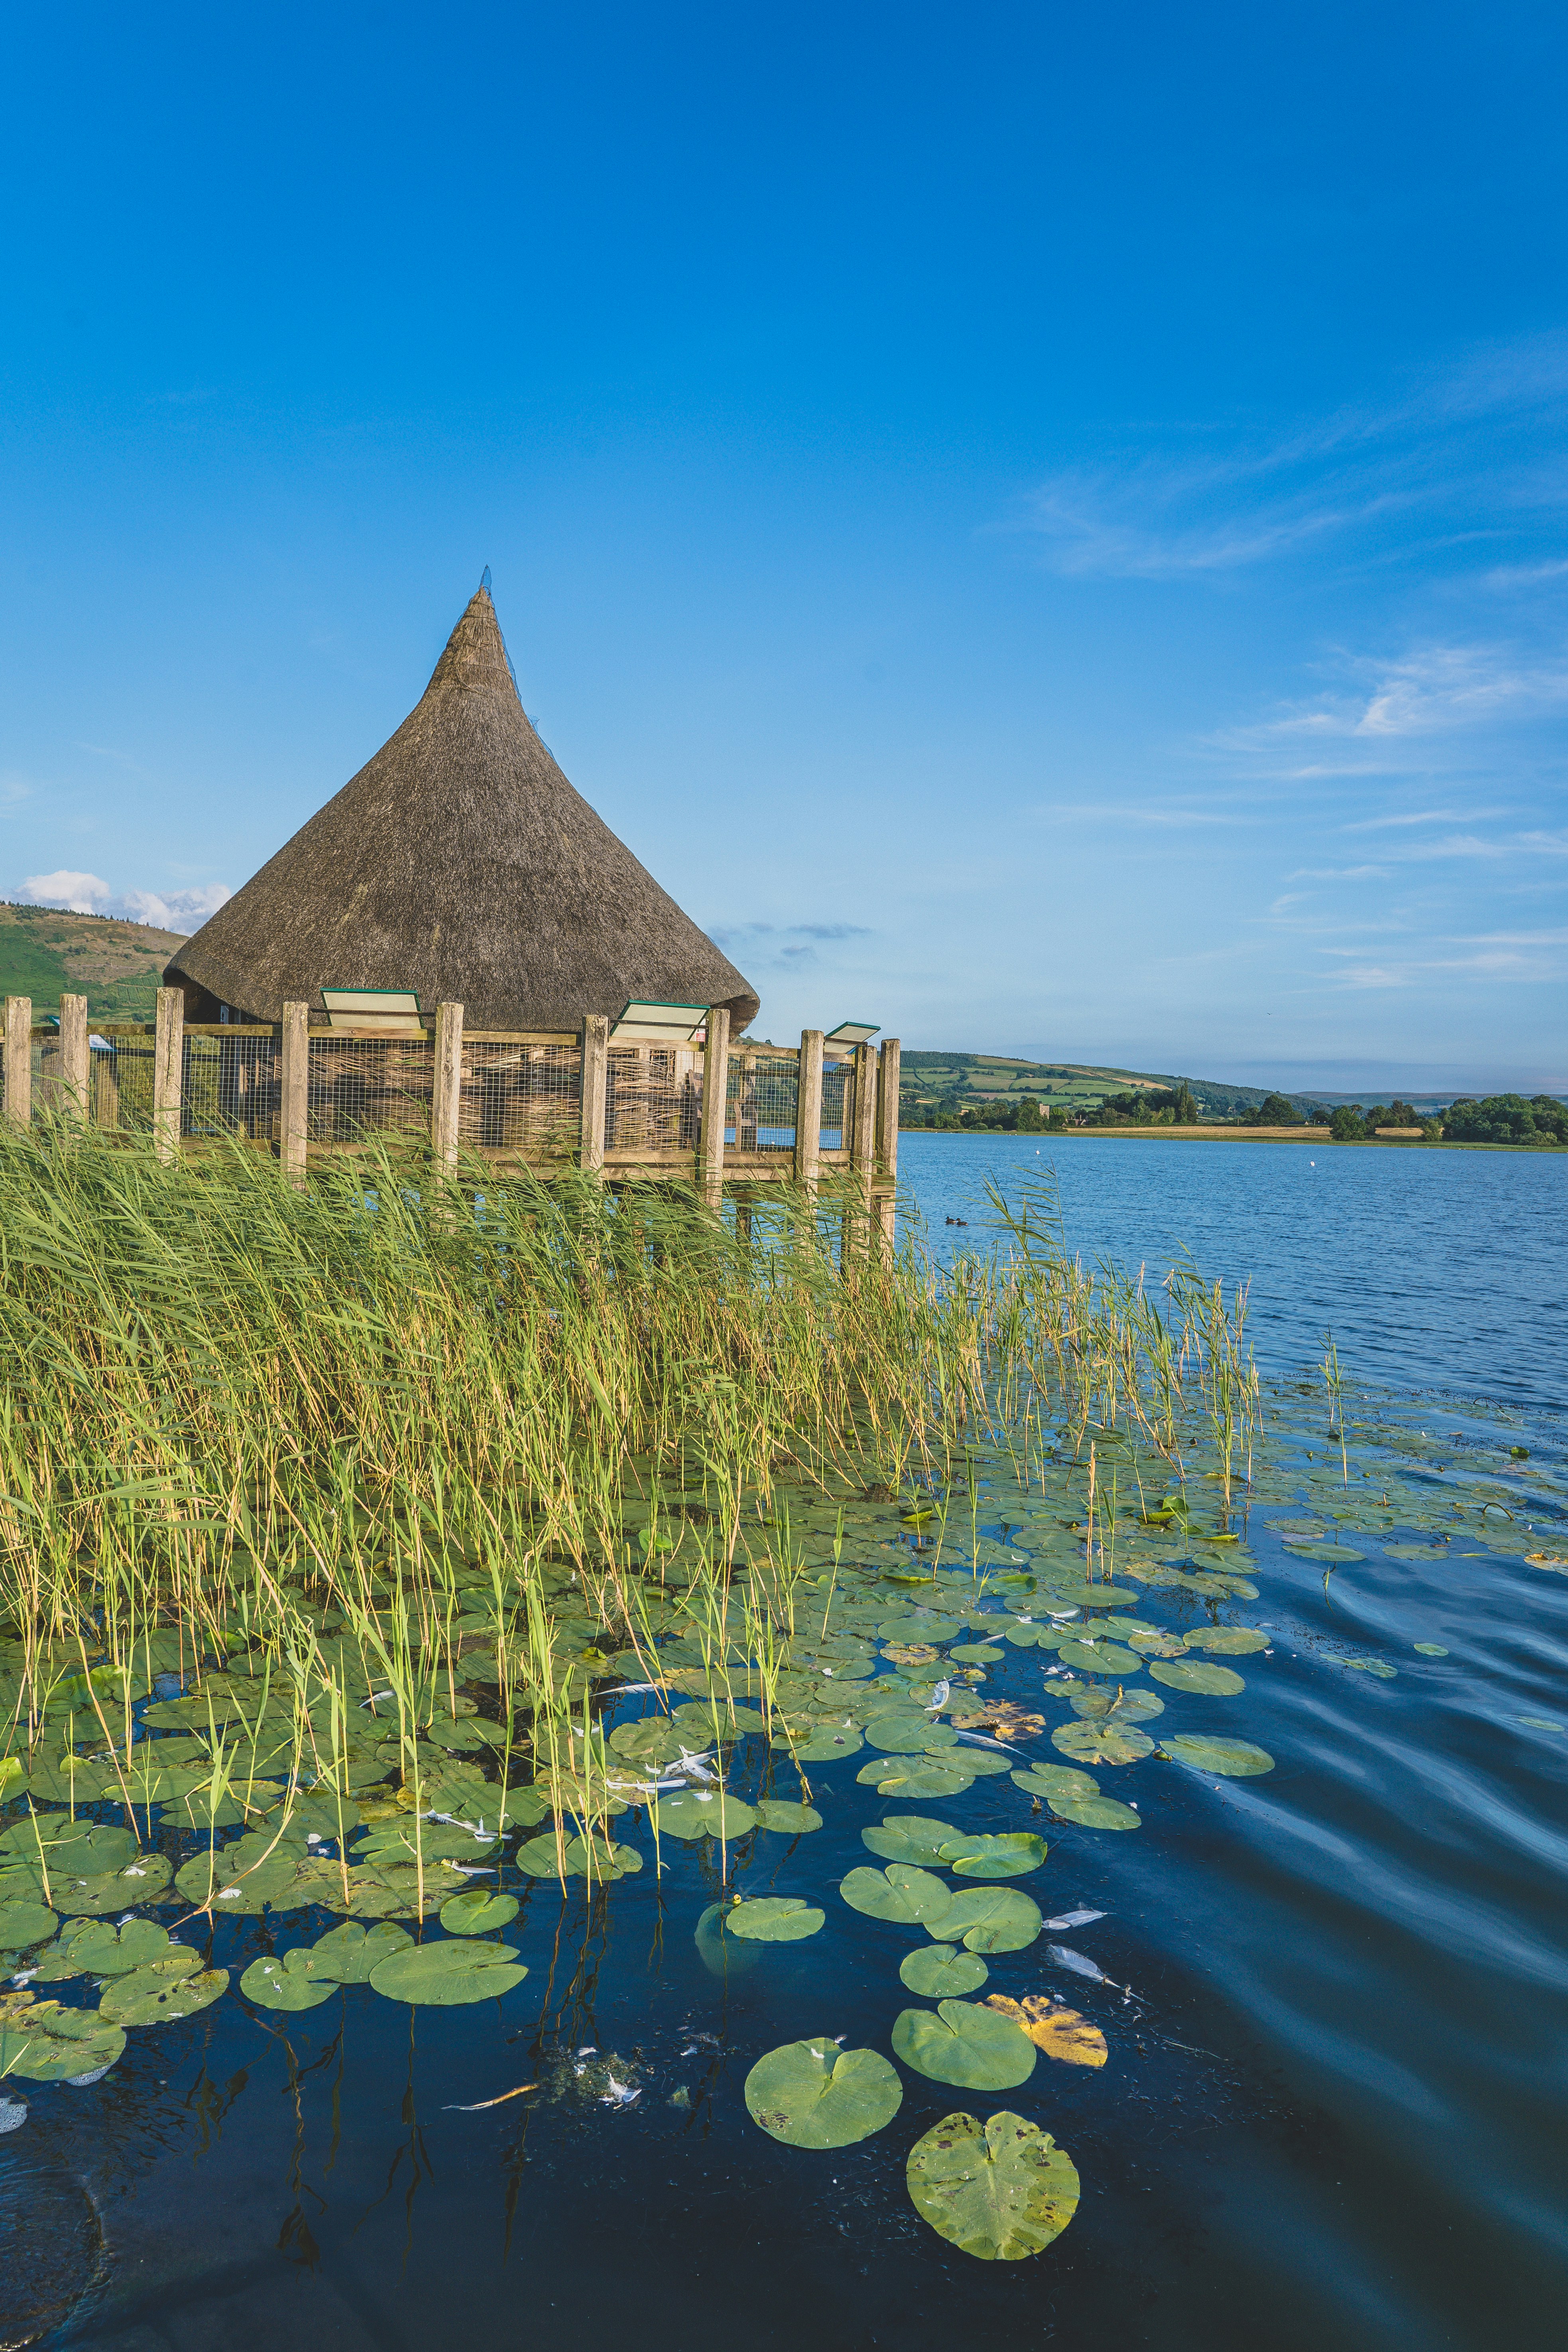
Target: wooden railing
pixel 711 1114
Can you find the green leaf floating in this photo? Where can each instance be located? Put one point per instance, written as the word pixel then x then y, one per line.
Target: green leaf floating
pixel 42 2042
pixel 909 1837
pixel 915 1776
pixel 97 1948
pixel 172 1987
pixel 348 1954
pixel 1235 1759
pixel 1096 1812
pixel 1011 1855
pixel 999 2191
pixel 1053 1780
pixel 776 1814
pixel 1100 1658
pixel 813 2095
pixel 701 1813
pixel 1198 1674
pixel 1108 1707
pixel 898 1734
pixel 902 1892
pixel 142 1881
pixel 773 1919
pixel 938 1972
pixel 1104 1743
pixel 826 1746
pixel 476 1911
pixel 24 1924
pixel 988 1919
pixel 77 1849
pixel 962 2042
pixel 541 1858
pixel 446 1976
pixel 1232 1641
pixel 288 1982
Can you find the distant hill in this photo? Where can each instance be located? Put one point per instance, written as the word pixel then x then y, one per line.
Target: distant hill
pixel 117 966
pixel 927 1079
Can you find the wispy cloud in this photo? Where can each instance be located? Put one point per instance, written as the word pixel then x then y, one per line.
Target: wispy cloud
pixel 89 894
pixel 1339 873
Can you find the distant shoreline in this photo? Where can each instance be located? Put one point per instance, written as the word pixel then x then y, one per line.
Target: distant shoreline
pixel 1233 1135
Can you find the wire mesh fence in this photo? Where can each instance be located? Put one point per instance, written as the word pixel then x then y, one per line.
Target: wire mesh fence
pixel 119 1082
pixel 653 1099
pixel 760 1102
pixel 838 1106
pixel 368 1086
pixel 231 1083
pixel 522 1098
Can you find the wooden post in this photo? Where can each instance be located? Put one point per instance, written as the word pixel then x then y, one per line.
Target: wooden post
pixel 74 1056
pixel 19 1060
pixel 808 1113
pixel 595 1048
pixel 862 1152
pixel 447 1091
pixel 168 1072
pixel 887 1143
pixel 295 1108
pixel 715 1088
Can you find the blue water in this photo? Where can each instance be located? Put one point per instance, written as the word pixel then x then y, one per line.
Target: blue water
pixel 1444 1270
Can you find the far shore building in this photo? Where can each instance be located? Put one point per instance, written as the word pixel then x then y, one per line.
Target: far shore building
pixel 458 865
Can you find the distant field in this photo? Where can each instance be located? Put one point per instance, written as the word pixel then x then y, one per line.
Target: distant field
pixel 117 966
pixel 932 1077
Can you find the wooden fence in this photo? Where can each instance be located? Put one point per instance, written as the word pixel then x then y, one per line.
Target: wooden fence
pixel 711 1114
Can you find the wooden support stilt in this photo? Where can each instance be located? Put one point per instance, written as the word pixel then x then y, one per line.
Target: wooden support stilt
pixel 862 1155
pixel 74 1056
pixel 808 1113
pixel 19 1060
pixel 596 1046
pixel 715 1089
pixel 168 1072
pixel 446 1093
pixel 295 1108
pixel 887 1178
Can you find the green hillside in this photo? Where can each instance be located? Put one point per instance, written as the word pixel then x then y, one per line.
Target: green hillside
pixel 929 1081
pixel 117 966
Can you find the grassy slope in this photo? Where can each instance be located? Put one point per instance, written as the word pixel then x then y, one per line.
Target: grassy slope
pixel 117 966
pixel 1078 1086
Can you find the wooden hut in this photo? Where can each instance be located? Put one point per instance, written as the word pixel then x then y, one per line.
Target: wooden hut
pixel 459 864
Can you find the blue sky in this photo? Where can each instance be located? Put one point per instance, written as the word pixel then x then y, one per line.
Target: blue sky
pixel 1042 527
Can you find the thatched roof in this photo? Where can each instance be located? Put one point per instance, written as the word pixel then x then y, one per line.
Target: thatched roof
pixel 460 863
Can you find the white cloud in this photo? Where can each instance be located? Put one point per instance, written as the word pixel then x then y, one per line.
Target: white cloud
pixel 89 894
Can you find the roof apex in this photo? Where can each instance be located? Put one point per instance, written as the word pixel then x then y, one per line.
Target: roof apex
pixel 475 653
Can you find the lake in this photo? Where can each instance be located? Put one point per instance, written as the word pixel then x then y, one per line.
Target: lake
pixel 1331 1991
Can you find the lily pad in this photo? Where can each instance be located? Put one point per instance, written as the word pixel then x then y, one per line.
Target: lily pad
pixel 1052 2027
pixel 826 1746
pixel 1341 1552
pixel 1000 2190
pixel 813 2095
pixel 348 1954
pixel 476 1911
pixel 1096 1743
pixel 1235 1759
pixel 1053 1780
pixel 988 1919
pixel 902 1892
pixel 907 1735
pixel 701 1813
pixel 1228 1640
pixel 288 1982
pixel 75 1849
pixel 24 1924
pixel 1012 1854
pixel 44 2042
pixel 1096 1812
pixel 1118 1707
pixel 1095 1596
pixel 960 2042
pixel 939 1972
pixel 1426 1649
pixel 1100 1658
pixel 142 1881
pixel 773 1919
pixel 909 1837
pixel 1198 1674
pixel 785 1820
pixel 175 1986
pixel 908 1776
pixel 97 1948
pixel 446 1976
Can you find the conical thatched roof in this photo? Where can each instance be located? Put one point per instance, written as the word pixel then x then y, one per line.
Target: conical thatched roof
pixel 460 862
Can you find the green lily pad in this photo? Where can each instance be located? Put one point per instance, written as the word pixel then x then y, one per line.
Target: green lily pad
pixel 404 1841
pixel 446 1976
pixel 348 1954
pixel 97 1948
pixel 142 1881
pixel 652 1741
pixel 1427 1650
pixel 988 1919
pixel 476 1911
pixel 73 1849
pixel 827 1745
pixel 1198 1674
pixel 1117 1706
pixel 701 1813
pixel 900 1892
pixel 960 2042
pixel 907 1735
pixel 999 2191
pixel 941 1972
pixel 906 1776
pixel 1378 1666
pixel 909 1837
pixel 813 2095
pixel 1097 1596
pixel 43 2041
pixel 1154 1643
pixel 24 1924
pixel 1053 1780
pixel 1096 1812
pixel 1229 1640
pixel 1236 1759
pixel 288 1982
pixel 1100 1658
pixel 175 1986
pixel 1097 1743
pixel 1342 1553
pixel 785 1820
pixel 773 1919
pixel 1012 1854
